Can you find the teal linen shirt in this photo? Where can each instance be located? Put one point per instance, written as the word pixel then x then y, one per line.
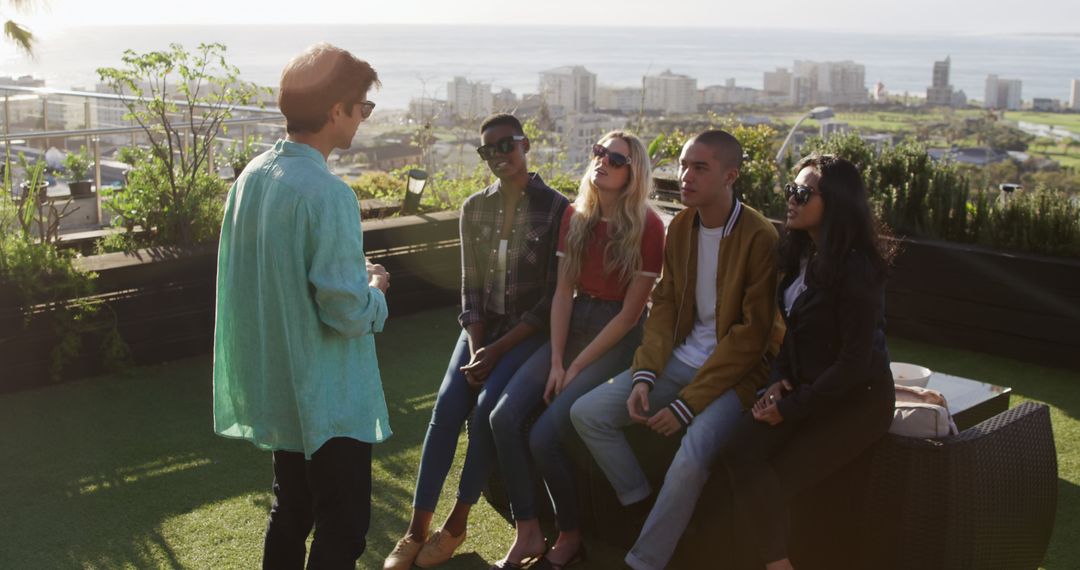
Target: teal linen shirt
pixel 294 345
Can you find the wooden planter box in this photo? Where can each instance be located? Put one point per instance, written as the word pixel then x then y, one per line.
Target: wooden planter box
pixel 1022 306
pixel 162 299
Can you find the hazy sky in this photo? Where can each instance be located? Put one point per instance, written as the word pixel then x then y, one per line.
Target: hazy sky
pixel 965 16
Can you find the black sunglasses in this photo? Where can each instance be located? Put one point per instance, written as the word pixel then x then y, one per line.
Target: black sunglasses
pixel 801 192
pixel 366 107
pixel 616 159
pixel 501 146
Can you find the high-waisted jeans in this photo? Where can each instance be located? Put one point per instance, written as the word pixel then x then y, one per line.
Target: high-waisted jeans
pixel 525 393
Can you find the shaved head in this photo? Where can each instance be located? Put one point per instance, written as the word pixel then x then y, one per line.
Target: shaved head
pixel 725 147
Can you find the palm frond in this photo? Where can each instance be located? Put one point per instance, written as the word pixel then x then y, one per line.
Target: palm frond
pixel 20 35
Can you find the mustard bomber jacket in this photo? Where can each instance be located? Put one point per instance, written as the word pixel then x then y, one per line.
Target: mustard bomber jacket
pixel 749 327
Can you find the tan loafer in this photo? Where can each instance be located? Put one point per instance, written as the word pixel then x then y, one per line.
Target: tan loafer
pixel 403 555
pixel 439 547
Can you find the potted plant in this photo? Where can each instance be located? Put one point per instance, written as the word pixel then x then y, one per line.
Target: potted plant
pixel 77 165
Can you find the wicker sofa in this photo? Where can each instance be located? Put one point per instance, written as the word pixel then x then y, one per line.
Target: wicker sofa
pixel 985 498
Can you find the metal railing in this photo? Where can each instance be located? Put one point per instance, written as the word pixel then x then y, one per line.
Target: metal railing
pixel 93 135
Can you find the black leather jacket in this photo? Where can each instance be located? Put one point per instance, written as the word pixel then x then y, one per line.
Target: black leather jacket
pixel 835 341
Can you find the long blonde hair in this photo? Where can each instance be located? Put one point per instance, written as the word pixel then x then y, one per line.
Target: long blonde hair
pixel 622 253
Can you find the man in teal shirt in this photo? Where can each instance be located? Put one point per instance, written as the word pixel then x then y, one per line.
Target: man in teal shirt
pixel 298 305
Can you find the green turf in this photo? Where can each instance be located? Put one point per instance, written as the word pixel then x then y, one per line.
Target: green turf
pixel 124 471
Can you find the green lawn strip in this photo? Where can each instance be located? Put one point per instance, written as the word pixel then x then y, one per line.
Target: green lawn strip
pixel 124 471
pixel 1069 121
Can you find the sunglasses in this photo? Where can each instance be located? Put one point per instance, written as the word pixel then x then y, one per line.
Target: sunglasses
pixel 366 107
pixel 801 192
pixel 616 159
pixel 501 146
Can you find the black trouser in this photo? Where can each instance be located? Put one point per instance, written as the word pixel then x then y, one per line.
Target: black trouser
pixel 331 491
pixel 769 465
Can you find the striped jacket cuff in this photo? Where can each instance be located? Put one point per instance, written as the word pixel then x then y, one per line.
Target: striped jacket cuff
pixel 646 376
pixel 682 411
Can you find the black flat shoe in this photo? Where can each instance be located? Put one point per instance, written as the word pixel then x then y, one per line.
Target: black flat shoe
pixel 545 564
pixel 527 562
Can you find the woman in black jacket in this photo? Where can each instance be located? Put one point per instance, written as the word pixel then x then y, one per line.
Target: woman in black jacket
pixel 831 391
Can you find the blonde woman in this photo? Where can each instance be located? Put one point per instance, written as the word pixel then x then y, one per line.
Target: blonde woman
pixel 611 250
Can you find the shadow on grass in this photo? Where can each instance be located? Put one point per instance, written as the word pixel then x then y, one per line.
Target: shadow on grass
pixel 1063 552
pixel 92 470
pixel 97 474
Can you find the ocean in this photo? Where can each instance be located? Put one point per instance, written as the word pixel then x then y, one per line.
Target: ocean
pixel 415 61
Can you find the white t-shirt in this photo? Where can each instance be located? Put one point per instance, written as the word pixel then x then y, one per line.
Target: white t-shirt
pixel 497 301
pixel 702 340
pixel 798 285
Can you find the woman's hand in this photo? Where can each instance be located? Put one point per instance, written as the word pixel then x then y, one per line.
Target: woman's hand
pixel 483 361
pixel 567 378
pixel 765 409
pixel 555 378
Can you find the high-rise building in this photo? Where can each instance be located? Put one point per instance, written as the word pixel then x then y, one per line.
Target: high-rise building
pixel 940 92
pixel 468 99
pixel 778 82
pixel 829 83
pixel 1074 97
pixel 504 101
pixel 622 99
pixel 671 93
pixel 572 87
pixel 1002 93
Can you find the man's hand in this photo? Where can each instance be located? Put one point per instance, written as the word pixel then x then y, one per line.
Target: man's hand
pixel 379 276
pixel 483 361
pixel 638 403
pixel 664 422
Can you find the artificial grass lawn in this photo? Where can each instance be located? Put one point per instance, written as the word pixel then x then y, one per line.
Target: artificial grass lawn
pixel 124 471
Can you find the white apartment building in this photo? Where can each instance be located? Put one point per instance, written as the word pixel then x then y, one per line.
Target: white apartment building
pixel 1074 96
pixel 468 99
pixel 621 99
pixel 829 83
pixel 730 94
pixel 579 132
pixel 671 93
pixel 1002 93
pixel 573 88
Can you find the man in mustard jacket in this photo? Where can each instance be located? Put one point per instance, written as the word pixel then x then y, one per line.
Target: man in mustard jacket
pixel 711 331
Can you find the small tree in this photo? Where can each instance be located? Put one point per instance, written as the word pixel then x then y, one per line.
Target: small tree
pixel 180 99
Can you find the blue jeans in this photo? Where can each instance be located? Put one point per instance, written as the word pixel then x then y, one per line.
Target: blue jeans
pixel 453 405
pixel 524 395
pixel 599 417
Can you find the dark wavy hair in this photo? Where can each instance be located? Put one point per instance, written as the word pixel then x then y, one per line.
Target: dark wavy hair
pixel 847 227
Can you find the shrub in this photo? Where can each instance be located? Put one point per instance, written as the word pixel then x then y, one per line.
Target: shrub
pixel 46 285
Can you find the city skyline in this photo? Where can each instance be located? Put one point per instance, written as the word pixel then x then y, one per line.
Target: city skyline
pixel 963 16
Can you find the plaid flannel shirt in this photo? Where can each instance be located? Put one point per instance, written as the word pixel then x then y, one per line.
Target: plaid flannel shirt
pixel 531 265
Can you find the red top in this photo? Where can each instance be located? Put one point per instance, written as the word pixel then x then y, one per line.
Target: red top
pixel 594 281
